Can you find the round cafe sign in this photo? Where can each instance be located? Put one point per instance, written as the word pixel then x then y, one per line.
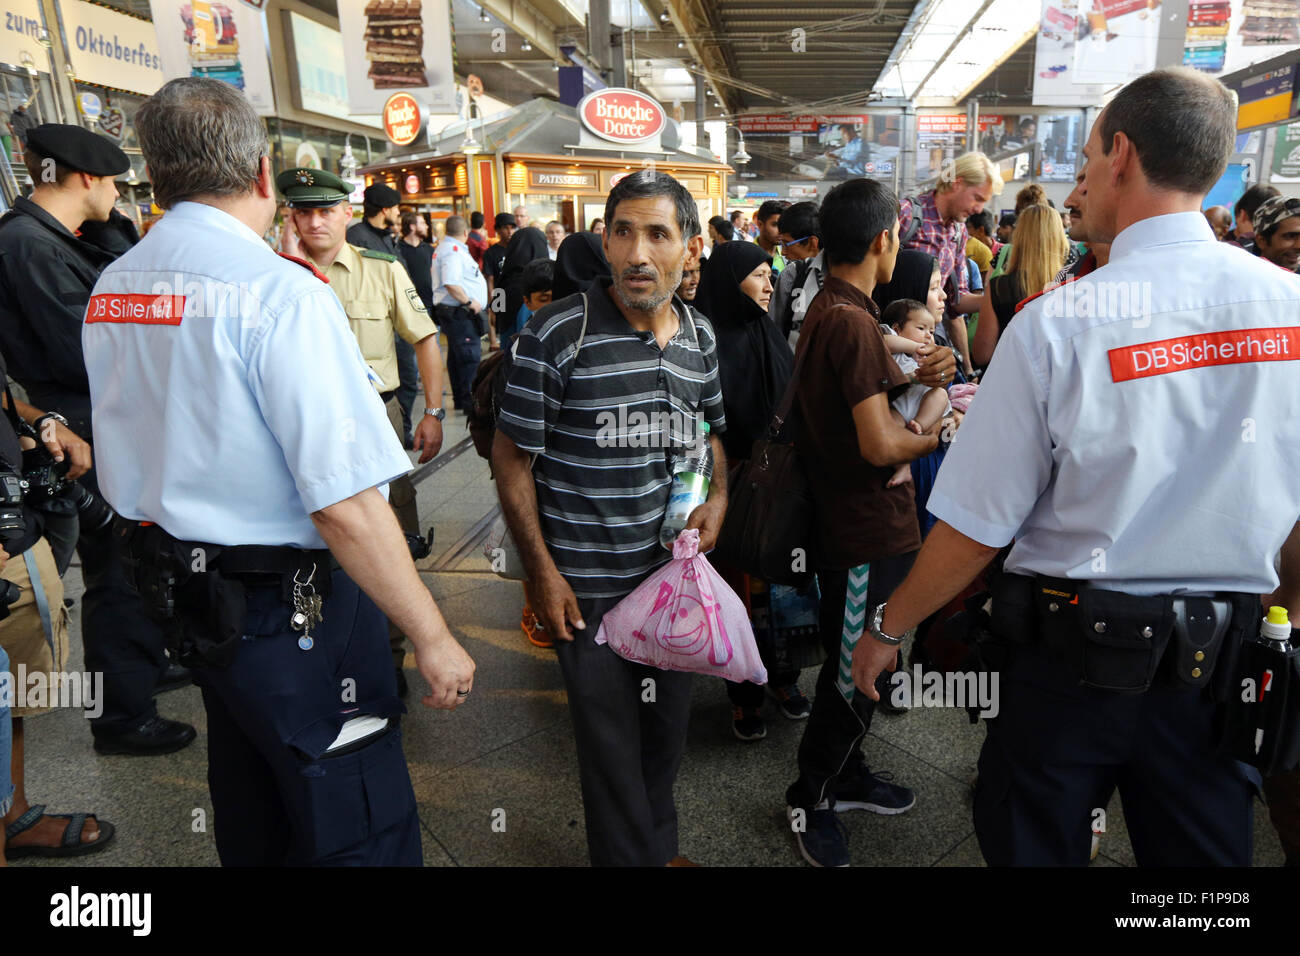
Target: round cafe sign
pixel 622 116
pixel 401 117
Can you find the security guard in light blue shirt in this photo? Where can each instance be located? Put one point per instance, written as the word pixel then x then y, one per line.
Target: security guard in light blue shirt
pixel 1138 436
pixel 238 435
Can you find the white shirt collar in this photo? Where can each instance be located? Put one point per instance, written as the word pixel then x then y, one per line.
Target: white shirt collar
pixel 211 216
pixel 1161 230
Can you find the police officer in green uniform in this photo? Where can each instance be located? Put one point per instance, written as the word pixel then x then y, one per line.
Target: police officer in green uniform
pixel 379 299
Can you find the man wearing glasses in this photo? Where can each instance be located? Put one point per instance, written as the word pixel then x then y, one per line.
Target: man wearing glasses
pixel 799 230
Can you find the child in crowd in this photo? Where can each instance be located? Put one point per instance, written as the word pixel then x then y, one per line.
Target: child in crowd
pixel 537 279
pixel 907 325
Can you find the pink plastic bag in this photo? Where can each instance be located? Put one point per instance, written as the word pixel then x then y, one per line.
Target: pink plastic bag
pixel 684 617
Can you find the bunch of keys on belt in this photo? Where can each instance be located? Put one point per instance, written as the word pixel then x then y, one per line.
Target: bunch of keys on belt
pixel 306 608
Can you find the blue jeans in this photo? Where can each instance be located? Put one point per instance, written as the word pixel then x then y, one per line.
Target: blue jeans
pixel 6 735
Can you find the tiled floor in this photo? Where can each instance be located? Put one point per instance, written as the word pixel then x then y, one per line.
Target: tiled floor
pixel 497 780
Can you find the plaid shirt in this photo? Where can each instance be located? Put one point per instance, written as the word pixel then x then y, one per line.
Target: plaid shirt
pixel 945 241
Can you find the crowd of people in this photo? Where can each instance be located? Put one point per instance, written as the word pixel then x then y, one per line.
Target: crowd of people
pixel 908 334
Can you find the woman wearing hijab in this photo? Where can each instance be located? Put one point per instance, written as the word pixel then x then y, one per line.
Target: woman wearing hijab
pixel 754 362
pixel 754 367
pixel 525 245
pixel 916 276
pixel 579 262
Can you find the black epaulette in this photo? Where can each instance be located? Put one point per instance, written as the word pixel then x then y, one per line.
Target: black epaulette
pixel 375 254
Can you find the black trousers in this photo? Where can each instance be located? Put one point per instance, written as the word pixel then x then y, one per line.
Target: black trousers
pixel 464 350
pixel 832 740
pixel 278 797
pixel 119 639
pixel 630 736
pixel 408 373
pixel 1056 752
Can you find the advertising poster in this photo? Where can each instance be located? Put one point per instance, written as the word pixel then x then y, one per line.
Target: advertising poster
pixel 1116 40
pixel 1286 154
pixel 20 37
pixel 1224 36
pixel 825 147
pixel 111 49
pixel 318 56
pixel 1054 81
pixel 397 45
pixel 941 138
pixel 220 40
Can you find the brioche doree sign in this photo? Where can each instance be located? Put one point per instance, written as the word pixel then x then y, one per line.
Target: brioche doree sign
pixel 401 119
pixel 622 116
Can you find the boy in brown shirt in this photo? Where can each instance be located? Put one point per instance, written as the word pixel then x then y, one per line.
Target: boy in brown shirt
pixel 866 533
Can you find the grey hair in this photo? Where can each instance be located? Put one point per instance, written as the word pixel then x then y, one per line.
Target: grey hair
pixel 1183 126
pixel 455 226
pixel 650 184
pixel 200 137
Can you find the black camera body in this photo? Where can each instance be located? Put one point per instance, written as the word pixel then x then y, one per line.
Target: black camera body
pixel 47 482
pixel 13 525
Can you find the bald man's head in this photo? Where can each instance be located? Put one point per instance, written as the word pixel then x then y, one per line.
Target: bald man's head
pixel 1220 220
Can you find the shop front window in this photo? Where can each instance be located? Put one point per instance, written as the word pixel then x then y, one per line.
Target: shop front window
pixel 542 208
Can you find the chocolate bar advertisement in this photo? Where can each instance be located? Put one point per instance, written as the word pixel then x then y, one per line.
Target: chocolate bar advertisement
pixel 391 45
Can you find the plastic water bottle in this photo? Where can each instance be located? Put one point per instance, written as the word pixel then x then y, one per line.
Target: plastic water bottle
pixel 691 475
pixel 1275 630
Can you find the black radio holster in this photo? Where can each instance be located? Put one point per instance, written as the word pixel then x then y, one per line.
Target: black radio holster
pixel 201 612
pixel 197 593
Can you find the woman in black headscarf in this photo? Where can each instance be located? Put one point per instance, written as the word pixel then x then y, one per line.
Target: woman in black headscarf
pixel 754 362
pixel 754 367
pixel 579 262
pixel 916 276
pixel 525 245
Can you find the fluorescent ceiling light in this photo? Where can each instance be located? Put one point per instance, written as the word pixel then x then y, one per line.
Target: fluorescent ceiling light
pixel 628 14
pixel 980 42
pixel 993 37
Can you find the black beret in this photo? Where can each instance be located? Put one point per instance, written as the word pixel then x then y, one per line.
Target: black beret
pixel 78 149
pixel 382 195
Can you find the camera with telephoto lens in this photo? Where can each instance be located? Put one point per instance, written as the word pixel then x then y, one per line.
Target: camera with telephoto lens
pixel 47 481
pixel 13 524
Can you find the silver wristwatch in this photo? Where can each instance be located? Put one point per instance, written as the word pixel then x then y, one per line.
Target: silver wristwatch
pixel 873 625
pixel 54 415
pixel 438 413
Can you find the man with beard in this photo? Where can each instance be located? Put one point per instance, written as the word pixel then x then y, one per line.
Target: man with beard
pixel 585 515
pixel 382 214
pixel 1277 232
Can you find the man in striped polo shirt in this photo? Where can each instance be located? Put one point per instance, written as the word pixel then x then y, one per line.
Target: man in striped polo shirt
pixel 605 410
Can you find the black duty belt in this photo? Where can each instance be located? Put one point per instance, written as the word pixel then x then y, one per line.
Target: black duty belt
pixel 145 539
pixel 1117 641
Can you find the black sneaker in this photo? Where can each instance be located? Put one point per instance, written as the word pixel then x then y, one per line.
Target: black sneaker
pixel 822 837
pixel 747 724
pixel 791 701
pixel 860 789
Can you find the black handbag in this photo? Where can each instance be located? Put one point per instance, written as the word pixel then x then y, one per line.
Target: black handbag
pixel 768 531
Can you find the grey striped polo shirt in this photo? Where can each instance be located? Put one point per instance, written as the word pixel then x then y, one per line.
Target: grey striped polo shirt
pixel 605 429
